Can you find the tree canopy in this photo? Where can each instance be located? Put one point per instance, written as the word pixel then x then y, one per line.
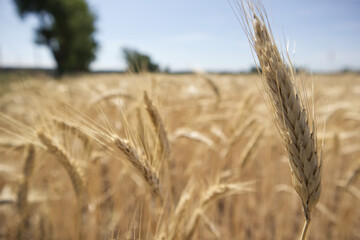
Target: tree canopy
pixel 138 62
pixel 67 28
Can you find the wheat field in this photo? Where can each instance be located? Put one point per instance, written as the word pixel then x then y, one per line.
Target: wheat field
pixel 156 156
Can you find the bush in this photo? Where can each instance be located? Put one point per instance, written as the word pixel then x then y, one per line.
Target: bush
pixel 138 62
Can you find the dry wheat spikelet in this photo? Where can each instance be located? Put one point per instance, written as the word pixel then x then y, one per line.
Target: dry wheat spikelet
pixel 292 118
pixel 213 87
pixel 132 151
pixel 139 162
pixel 72 170
pixel 296 126
pixel 158 126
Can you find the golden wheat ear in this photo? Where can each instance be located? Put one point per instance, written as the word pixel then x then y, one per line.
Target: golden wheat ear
pixel 141 163
pixel 63 158
pixel 158 126
pixel 295 124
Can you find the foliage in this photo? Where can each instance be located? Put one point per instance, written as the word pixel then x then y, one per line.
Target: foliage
pixel 255 69
pixel 138 62
pixel 66 27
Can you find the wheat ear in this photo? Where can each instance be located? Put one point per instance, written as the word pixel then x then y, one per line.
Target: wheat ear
pixel 291 116
pixel 214 88
pixel 140 163
pixel 158 125
pixel 63 158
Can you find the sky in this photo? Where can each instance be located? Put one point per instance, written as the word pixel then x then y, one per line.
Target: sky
pixel 322 35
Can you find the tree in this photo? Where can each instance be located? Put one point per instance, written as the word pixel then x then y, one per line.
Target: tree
pixel 138 62
pixel 255 69
pixel 67 28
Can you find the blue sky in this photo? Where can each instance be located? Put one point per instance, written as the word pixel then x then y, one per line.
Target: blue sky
pixel 198 34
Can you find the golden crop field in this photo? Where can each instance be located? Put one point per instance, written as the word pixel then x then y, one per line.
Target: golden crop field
pixel 155 156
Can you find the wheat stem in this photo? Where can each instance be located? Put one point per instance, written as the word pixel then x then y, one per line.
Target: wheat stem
pixel 305 229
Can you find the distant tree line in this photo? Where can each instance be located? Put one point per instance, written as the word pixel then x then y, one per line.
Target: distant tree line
pixel 138 62
pixel 67 28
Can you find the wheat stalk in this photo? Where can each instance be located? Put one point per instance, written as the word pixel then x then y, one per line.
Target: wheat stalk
pixel 11 144
pixel 351 189
pixel 236 137
pixel 213 193
pixel 22 195
pixel 250 148
pixel 171 228
pixel 353 174
pixel 296 126
pixel 23 188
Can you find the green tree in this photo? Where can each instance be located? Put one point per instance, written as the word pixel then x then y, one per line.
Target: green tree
pixel 67 28
pixel 138 62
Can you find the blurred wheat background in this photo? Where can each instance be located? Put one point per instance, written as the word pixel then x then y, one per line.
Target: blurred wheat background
pixel 225 175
